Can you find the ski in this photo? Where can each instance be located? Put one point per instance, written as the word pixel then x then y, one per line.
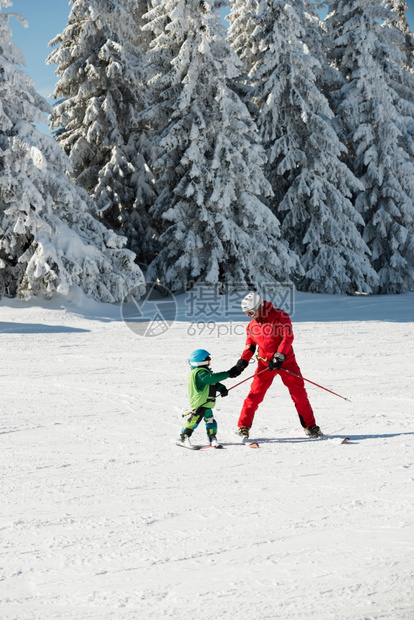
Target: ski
pixel 336 440
pixel 245 441
pixel 197 447
pixel 187 446
pixel 249 443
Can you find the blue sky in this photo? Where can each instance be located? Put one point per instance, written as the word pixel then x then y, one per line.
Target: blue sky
pixel 47 18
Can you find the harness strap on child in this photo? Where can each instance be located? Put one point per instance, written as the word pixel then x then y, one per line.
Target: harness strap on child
pixel 209 404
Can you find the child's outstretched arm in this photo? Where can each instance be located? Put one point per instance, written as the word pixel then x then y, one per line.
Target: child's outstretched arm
pixel 205 377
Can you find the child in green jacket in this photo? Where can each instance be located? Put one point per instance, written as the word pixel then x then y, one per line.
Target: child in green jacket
pixel 203 384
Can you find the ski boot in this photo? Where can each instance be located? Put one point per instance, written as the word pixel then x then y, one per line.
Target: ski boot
pixel 243 433
pixel 214 443
pixel 313 431
pixel 185 440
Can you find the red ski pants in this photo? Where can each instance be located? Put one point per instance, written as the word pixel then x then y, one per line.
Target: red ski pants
pixel 262 382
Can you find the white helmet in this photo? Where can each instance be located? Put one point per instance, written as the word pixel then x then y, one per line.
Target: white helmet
pixel 251 302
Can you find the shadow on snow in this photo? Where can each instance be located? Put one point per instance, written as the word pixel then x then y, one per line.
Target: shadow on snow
pixel 37 328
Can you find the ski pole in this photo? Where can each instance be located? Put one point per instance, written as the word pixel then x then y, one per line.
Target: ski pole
pixel 313 383
pixel 255 375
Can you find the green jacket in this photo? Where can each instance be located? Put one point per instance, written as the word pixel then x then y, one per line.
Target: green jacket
pixel 202 386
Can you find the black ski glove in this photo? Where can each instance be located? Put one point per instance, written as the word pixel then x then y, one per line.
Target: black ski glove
pixel 236 370
pixel 224 392
pixel 276 362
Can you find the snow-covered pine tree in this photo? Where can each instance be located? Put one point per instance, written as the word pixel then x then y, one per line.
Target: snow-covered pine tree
pixel 376 122
pixel 101 94
pixel 312 185
pixel 49 237
pixel 217 228
pixel 399 20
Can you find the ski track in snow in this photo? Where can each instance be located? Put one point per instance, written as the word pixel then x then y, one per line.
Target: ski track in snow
pixel 104 518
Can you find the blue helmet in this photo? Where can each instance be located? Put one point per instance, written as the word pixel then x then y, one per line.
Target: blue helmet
pixel 200 357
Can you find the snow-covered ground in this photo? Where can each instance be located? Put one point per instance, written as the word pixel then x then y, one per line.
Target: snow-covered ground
pixel 102 516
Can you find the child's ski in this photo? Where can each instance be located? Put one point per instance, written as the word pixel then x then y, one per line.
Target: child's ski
pixel 219 446
pixel 189 446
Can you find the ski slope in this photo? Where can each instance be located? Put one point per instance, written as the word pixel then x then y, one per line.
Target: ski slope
pixel 103 517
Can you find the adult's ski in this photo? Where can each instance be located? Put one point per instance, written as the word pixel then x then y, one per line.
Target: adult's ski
pixel 251 444
pixel 337 440
pixel 245 441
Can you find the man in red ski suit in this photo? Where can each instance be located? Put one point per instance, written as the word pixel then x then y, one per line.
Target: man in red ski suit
pixel 271 330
